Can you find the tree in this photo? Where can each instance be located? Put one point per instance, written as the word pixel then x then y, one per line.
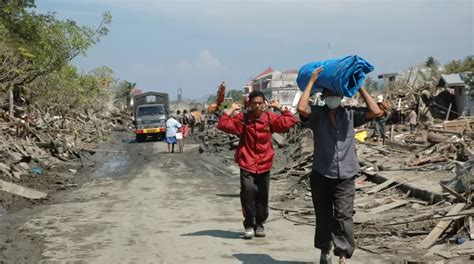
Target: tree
pixel 33 44
pixel 456 66
pixel 123 92
pixel 431 62
pixel 236 95
pixel 67 91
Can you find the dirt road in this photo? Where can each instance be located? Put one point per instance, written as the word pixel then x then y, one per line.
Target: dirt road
pixel 147 206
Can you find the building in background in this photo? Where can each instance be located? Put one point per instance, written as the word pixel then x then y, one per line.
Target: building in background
pixel 455 84
pixel 275 85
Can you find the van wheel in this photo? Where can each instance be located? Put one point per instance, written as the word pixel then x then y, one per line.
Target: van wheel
pixel 139 138
pixel 158 137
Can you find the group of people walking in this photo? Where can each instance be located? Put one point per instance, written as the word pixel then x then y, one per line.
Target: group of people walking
pixel 335 162
pixel 182 124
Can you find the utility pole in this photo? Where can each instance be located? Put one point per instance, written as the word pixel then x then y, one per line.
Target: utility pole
pixel 180 94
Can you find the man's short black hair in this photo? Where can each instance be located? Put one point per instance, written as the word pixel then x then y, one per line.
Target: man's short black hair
pixel 178 112
pixel 254 94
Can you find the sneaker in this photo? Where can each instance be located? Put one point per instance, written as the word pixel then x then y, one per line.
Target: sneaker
pixel 325 259
pixel 249 233
pixel 260 231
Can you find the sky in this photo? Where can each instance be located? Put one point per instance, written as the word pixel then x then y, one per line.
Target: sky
pixel 163 45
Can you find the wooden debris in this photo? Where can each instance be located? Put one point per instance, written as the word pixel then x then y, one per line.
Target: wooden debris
pixel 440 228
pixel 457 125
pixel 388 206
pixel 381 186
pixel 426 217
pixel 454 193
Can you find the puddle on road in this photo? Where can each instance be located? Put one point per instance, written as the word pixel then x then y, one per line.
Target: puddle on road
pixel 113 167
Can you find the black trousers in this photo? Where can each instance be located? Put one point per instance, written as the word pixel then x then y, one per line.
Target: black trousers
pixel 254 197
pixel 333 201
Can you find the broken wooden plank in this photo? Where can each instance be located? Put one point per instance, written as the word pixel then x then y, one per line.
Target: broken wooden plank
pixel 453 192
pixel 381 186
pixel 426 217
pixel 21 190
pixel 388 206
pixel 457 126
pixel 439 229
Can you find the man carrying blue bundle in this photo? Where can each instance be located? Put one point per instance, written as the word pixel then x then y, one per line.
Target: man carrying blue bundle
pixel 335 165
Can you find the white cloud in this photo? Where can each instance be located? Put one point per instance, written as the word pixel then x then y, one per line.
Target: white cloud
pixel 207 59
pixel 204 62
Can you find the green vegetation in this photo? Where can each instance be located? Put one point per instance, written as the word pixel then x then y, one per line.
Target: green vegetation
pixel 456 66
pixel 35 54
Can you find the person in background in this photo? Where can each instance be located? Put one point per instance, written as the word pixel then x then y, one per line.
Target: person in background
pixel 197 119
pixel 203 121
pixel 254 155
pixel 379 122
pixel 335 165
pixel 172 126
pixel 412 120
pixel 180 134
pixel 190 121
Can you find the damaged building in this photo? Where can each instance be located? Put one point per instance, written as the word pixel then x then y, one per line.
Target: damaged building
pixel 275 85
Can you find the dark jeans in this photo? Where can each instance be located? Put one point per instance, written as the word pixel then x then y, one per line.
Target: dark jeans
pixel 333 201
pixel 254 197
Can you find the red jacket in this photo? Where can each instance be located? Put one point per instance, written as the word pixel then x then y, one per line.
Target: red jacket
pixel 255 151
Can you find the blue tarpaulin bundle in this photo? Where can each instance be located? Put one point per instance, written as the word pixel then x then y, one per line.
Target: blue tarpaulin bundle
pixel 343 75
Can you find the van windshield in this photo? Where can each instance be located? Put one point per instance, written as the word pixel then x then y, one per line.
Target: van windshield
pixel 151 110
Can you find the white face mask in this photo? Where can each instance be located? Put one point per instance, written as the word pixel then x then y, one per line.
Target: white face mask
pixel 333 102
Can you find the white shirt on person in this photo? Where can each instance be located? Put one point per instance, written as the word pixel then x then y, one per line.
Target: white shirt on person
pixel 172 126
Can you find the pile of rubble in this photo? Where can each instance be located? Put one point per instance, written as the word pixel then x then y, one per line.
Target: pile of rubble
pixel 413 195
pixel 33 142
pixel 215 141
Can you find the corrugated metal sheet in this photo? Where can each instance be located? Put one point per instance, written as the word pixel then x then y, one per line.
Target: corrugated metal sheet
pixel 451 80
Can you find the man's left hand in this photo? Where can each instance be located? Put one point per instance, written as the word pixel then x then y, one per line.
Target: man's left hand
pixel 275 104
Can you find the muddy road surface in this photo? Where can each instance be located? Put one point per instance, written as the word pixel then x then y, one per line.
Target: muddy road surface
pixel 143 205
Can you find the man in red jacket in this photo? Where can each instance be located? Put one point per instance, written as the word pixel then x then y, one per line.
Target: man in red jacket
pixel 255 155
